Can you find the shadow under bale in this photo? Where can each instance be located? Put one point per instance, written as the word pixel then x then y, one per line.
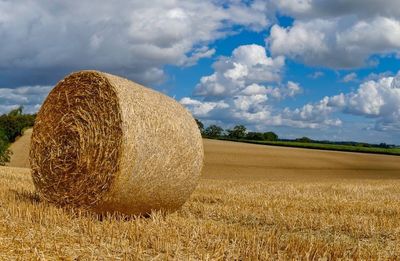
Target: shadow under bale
pixel 26 196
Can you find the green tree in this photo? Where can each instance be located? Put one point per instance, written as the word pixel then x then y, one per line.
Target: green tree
pixel 270 136
pixel 14 123
pixel 16 112
pixel 238 132
pixel 213 131
pixel 304 139
pixel 384 145
pixel 200 125
pixel 254 136
pixel 4 152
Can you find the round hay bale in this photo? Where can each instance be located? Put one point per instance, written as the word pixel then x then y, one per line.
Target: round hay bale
pixel 110 145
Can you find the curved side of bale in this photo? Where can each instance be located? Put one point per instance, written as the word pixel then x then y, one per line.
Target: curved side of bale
pixel 106 143
pixel 162 151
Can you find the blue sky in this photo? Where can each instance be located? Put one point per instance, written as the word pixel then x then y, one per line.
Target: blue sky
pixel 317 68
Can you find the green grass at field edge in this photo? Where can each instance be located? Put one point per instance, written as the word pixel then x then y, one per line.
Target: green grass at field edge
pixel 321 146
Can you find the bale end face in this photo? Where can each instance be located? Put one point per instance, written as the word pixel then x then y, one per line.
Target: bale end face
pixel 76 141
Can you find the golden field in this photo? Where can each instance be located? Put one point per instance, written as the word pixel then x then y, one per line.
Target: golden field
pixel 253 202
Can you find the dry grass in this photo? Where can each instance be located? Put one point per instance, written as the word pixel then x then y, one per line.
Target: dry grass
pixel 222 220
pixel 261 217
pixel 241 161
pixel 20 151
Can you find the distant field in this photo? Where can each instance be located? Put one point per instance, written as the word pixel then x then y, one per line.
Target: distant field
pixel 253 202
pixel 236 160
pixel 322 146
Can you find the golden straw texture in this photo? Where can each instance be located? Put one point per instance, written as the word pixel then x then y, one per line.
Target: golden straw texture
pixel 105 143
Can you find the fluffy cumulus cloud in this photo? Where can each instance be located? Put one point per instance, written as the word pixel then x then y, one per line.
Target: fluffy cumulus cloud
pixel 232 95
pixel 249 64
pixel 314 115
pixel 337 34
pixel 374 99
pixel 45 39
pixel 247 88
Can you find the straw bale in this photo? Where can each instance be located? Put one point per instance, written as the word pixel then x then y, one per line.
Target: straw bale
pixel 110 145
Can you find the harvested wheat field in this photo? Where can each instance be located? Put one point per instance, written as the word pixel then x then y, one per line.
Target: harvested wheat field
pixel 20 151
pixel 253 202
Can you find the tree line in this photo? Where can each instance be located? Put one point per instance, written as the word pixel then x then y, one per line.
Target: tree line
pixel 12 125
pixel 237 132
pixel 240 132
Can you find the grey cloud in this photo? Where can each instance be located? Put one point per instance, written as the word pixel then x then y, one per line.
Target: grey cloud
pixel 42 40
pixel 31 97
pixel 310 9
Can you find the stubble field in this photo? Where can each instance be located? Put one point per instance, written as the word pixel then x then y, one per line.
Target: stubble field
pixel 253 202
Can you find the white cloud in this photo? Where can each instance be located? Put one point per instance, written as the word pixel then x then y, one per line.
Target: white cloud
pixel 372 98
pixel 234 94
pixel 303 41
pixel 396 82
pixel 316 75
pixel 313 115
pixel 337 34
pixel 294 6
pixel 377 76
pixel 132 38
pixel 381 35
pixel 379 100
pixel 255 105
pixel 249 64
pixel 247 103
pixel 293 89
pixel 201 109
pixel 376 99
pixel 282 92
pixel 203 52
pixel 350 77
pixel 254 89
